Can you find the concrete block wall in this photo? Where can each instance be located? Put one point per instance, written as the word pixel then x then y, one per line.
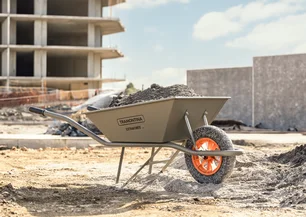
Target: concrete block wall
pixel 233 82
pixel 272 92
pixel 280 91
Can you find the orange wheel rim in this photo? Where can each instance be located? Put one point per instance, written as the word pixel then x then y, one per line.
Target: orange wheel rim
pixel 206 165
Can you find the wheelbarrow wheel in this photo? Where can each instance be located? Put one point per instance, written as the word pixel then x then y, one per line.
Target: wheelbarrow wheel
pixel 210 169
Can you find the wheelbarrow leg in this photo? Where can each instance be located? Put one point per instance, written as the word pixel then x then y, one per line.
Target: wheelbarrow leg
pixel 145 164
pixel 120 165
pixel 151 160
pixel 170 161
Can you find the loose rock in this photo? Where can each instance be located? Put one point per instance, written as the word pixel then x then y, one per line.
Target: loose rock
pixel 295 157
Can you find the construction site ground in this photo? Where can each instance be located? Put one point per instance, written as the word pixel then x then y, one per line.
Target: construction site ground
pixel 78 181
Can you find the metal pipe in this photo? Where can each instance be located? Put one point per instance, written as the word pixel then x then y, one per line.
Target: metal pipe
pixel 117 144
pixel 205 118
pixel 169 161
pixel 145 164
pixel 120 165
pixel 189 126
pixel 150 163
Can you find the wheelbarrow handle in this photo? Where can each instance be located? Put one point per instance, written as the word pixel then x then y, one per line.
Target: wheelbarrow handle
pixel 37 110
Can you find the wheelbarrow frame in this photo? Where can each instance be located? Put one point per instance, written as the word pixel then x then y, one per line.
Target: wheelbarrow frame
pixel 89 133
pixel 123 145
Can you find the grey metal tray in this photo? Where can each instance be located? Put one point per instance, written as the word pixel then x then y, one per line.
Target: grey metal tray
pixel 155 121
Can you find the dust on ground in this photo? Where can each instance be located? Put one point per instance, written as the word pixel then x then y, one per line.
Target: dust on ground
pixel 81 182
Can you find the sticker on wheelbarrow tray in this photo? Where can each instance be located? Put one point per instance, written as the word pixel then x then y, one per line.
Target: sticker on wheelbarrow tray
pixel 131 120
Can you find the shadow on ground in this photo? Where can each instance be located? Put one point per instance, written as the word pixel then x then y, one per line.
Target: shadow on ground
pixel 78 199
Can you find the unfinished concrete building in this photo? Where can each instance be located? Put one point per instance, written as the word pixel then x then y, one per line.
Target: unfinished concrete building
pixel 56 43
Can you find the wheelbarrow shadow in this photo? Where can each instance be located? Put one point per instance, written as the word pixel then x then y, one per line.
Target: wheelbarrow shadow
pixel 80 199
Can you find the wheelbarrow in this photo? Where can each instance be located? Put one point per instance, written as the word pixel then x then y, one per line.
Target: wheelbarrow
pixel 181 123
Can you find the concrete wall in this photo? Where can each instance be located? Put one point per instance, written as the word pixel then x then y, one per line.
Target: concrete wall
pixel 61 66
pixel 279 91
pixel 233 82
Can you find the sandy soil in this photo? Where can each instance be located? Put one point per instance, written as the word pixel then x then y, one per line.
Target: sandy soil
pixel 23 129
pixel 70 182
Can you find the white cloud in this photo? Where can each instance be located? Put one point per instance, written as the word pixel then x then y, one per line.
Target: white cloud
pixel 131 4
pixel 284 34
pixel 300 48
pixel 232 20
pixel 213 25
pixel 158 48
pixel 164 77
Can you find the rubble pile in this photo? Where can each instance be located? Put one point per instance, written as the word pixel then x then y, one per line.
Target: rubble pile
pixel 18 114
pixel 155 92
pixel 291 176
pixel 65 129
pixel 295 157
pixel 261 180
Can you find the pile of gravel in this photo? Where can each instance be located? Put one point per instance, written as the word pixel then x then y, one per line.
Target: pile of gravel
pixel 65 129
pixel 295 157
pixel 155 92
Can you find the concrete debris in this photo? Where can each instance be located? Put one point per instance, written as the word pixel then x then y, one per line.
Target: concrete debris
pixel 23 149
pixel 261 179
pixel 155 92
pixel 229 125
pixel 18 114
pixel 4 147
pixel 65 129
pixel 292 129
pixel 295 157
pixel 7 194
pixel 261 126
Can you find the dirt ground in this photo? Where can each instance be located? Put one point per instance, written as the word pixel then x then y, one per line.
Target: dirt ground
pixel 82 182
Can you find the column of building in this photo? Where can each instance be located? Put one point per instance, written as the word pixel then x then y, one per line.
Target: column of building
pixel 6 39
pixel 94 40
pixel 40 39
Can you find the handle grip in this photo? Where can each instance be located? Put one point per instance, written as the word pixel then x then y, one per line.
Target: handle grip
pixel 92 108
pixel 37 110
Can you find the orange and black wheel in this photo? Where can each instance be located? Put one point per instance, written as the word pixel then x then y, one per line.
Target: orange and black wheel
pixel 210 169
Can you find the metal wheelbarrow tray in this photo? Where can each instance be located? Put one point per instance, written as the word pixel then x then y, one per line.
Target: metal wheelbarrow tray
pixel 209 153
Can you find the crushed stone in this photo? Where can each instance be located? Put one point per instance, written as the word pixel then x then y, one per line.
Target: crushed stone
pixel 295 157
pixel 155 92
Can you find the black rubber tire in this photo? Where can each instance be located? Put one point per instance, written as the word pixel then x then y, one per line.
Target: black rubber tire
pixel 224 142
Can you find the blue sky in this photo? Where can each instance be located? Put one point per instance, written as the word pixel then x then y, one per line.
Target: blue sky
pixel 164 38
